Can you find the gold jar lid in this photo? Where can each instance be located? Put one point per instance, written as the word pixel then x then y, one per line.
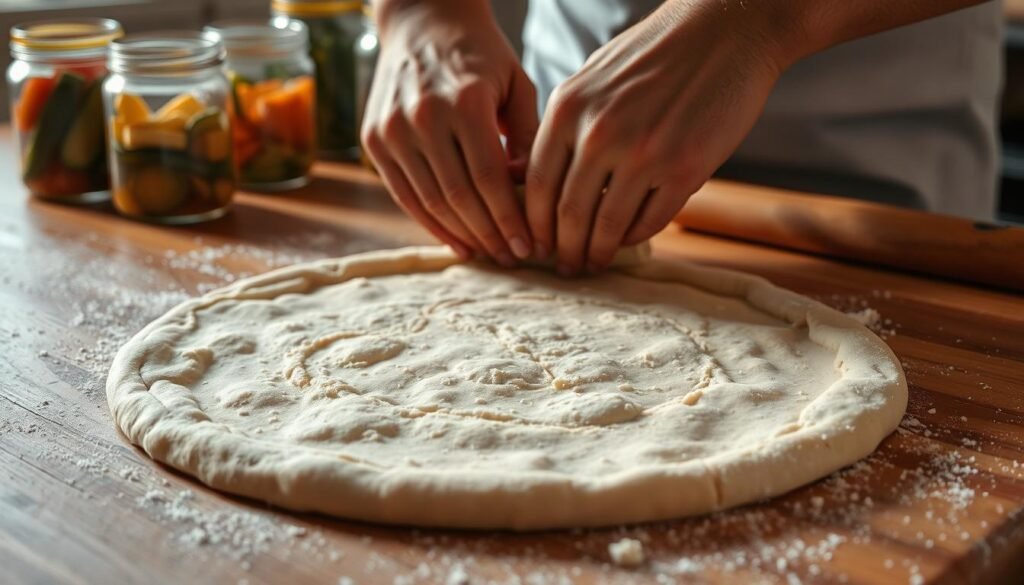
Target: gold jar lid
pixel 300 8
pixel 79 35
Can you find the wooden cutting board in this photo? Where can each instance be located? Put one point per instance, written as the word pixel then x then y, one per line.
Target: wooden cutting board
pixel 942 501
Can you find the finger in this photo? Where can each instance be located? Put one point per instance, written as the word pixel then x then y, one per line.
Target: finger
pixel 657 211
pixel 488 169
pixel 405 196
pixel 619 206
pixel 581 194
pixel 421 178
pixel 450 169
pixel 545 175
pixel 519 115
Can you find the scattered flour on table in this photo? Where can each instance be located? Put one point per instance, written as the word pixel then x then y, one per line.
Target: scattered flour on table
pixel 627 552
pixel 238 534
pixel 860 308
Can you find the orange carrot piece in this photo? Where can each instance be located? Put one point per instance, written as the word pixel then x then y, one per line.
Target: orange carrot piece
pixel 34 95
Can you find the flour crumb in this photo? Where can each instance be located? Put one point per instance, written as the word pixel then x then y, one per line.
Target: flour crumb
pixel 867 317
pixel 457 576
pixel 627 552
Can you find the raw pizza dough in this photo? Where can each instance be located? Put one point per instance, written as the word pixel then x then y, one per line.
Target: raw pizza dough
pixel 404 387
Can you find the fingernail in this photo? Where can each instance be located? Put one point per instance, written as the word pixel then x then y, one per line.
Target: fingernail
pixel 519 248
pixel 540 251
pixel 565 270
pixel 506 260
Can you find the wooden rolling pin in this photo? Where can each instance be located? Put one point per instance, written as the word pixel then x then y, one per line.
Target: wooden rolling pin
pixel 872 233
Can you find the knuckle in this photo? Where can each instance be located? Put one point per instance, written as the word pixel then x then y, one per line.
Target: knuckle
pixel 425 113
pixel 603 131
pixel 402 196
pixel 566 104
pixel 471 94
pixel 434 204
pixel 394 128
pixel 371 140
pixel 527 84
pixel 486 176
pixel 569 209
pixel 506 218
pixel 648 226
pixel 458 196
pixel 608 225
pixel 688 182
pixel 642 156
pixel 536 180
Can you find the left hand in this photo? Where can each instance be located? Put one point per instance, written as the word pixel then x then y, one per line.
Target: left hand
pixel 643 124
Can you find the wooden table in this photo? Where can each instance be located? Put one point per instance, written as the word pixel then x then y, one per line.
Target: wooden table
pixel 941 501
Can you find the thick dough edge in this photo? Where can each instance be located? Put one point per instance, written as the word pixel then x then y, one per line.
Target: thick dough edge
pixel 843 425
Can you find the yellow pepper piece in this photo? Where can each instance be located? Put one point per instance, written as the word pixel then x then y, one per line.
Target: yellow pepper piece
pixel 131 109
pixel 182 107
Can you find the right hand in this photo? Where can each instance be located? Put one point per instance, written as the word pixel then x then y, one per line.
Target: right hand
pixel 448 86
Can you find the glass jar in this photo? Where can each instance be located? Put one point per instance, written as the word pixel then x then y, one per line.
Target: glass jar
pixel 334 26
pixel 54 83
pixel 367 50
pixel 166 102
pixel 273 100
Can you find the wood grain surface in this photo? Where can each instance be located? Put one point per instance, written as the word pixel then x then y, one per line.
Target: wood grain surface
pixel 903 239
pixel 940 502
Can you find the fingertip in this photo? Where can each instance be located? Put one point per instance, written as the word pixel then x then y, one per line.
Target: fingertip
pixel 519 247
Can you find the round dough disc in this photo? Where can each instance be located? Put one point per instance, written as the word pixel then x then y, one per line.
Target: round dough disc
pixel 405 387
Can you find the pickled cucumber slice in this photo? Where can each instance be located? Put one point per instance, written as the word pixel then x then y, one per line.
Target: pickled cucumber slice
pixel 54 122
pixel 84 144
pixel 158 191
pixel 209 137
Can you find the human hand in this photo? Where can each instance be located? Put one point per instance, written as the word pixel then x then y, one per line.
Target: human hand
pixel 643 124
pixel 448 87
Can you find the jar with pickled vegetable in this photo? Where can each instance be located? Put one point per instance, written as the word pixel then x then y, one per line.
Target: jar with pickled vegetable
pixel 166 102
pixel 272 104
pixel 334 26
pixel 55 82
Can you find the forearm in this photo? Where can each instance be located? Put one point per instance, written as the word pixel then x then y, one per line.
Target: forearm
pixel 811 26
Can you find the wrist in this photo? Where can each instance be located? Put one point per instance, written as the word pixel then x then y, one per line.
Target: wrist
pixel 786 26
pixel 775 31
pixel 390 14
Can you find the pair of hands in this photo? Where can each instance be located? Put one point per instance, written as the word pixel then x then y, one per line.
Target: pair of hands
pixel 623 144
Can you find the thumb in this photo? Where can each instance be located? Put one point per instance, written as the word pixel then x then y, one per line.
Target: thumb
pixel 519 118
